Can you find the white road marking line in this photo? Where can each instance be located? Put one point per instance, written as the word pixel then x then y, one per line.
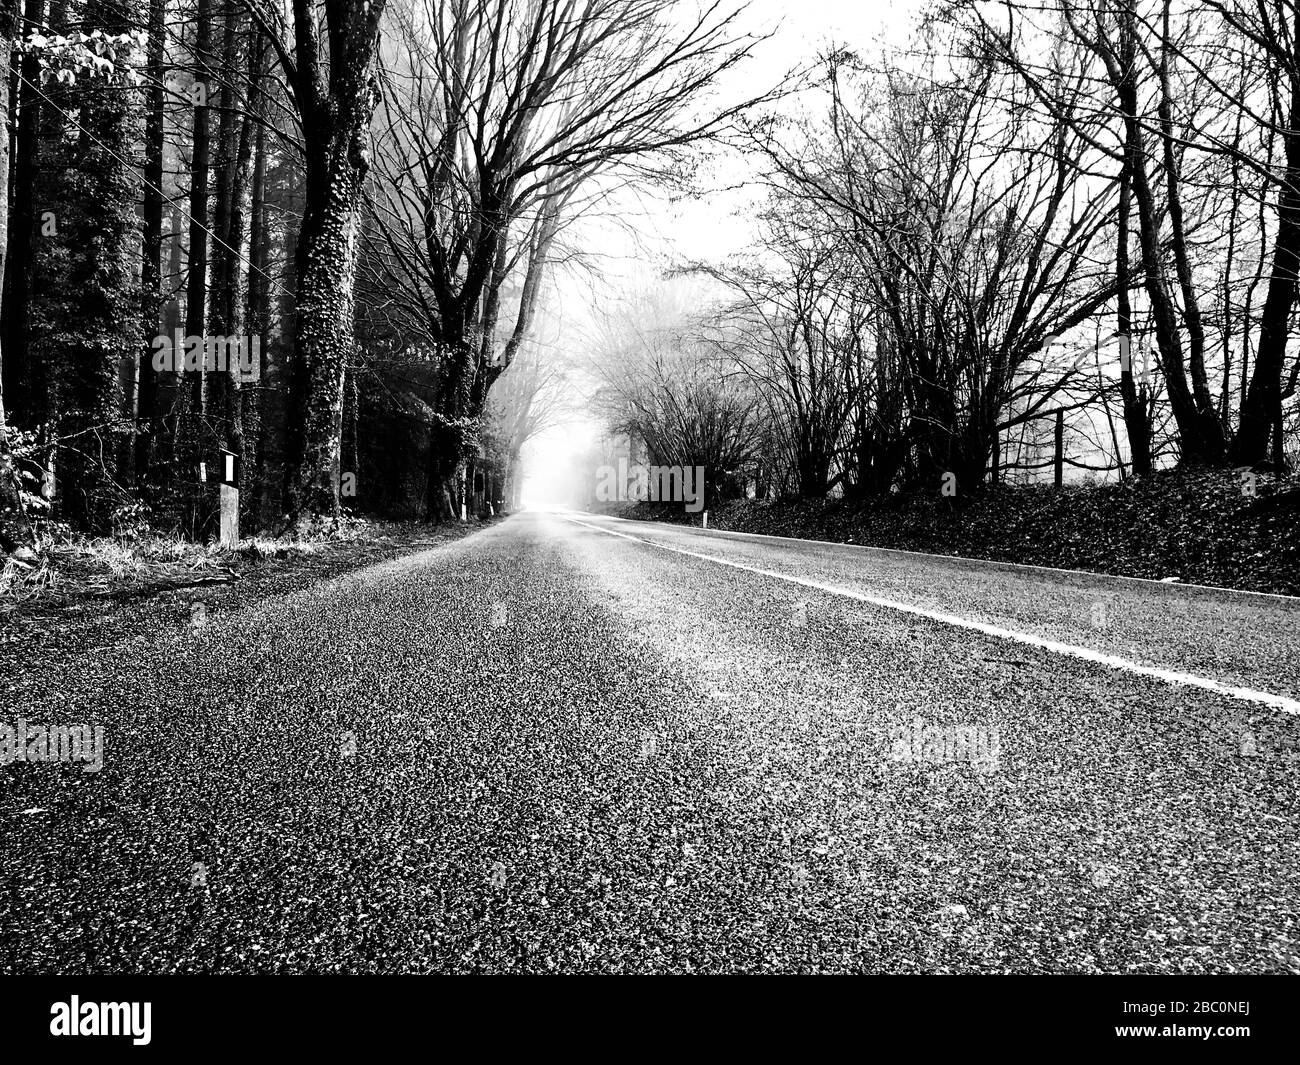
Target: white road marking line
pixel 1169 676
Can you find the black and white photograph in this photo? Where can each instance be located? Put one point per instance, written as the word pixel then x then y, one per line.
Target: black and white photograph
pixel 651 487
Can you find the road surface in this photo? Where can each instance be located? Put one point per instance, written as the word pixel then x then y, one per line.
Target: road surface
pixel 569 743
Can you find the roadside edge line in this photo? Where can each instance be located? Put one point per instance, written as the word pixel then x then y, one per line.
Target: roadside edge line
pixel 1169 676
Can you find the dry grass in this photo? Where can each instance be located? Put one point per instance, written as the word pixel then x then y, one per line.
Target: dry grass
pixel 76 567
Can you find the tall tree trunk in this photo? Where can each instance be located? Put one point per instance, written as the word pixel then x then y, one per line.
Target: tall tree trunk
pixel 149 406
pixel 232 163
pixel 1261 409
pixel 17 371
pixel 257 307
pixel 350 456
pixel 272 444
pixel 1137 420
pixel 1228 329
pixel 191 442
pixel 335 107
pixel 1199 431
pixel 1178 234
pixel 196 288
pixel 323 335
pixel 46 309
pixel 98 224
pixel 15 531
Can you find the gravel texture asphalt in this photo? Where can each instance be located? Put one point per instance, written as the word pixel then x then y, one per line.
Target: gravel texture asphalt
pixel 548 748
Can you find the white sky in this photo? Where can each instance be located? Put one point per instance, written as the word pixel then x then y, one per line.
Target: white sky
pixel 652 234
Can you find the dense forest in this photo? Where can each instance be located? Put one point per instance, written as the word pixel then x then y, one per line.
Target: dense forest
pixel 297 245
pixel 304 247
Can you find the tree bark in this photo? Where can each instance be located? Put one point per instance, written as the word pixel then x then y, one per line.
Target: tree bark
pixel 196 286
pixel 1261 409
pixel 97 226
pixel 15 531
pixel 17 376
pixel 234 155
pixel 148 399
pixel 1137 421
pixel 1199 431
pixel 335 106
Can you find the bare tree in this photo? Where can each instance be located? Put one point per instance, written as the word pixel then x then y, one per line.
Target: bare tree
pixel 497 122
pixel 660 383
pixel 798 330
pixel 977 235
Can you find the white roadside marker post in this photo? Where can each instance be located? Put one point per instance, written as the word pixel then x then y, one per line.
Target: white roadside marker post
pixel 229 534
pixel 706 519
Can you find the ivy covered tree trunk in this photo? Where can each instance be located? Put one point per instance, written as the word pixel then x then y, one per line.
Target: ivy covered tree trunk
pixel 14 530
pixel 323 341
pixel 323 338
pixel 149 398
pixel 99 328
pixel 454 427
pixel 26 107
pixel 335 101
pixel 272 447
pixel 225 308
pixel 192 441
pixel 257 291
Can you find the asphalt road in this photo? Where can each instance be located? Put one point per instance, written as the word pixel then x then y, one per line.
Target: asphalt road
pixel 574 744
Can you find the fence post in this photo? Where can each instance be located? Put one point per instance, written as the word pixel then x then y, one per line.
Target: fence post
pixel 1060 446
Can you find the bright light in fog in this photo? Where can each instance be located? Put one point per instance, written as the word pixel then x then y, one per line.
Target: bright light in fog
pixel 640 233
pixel 550 463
